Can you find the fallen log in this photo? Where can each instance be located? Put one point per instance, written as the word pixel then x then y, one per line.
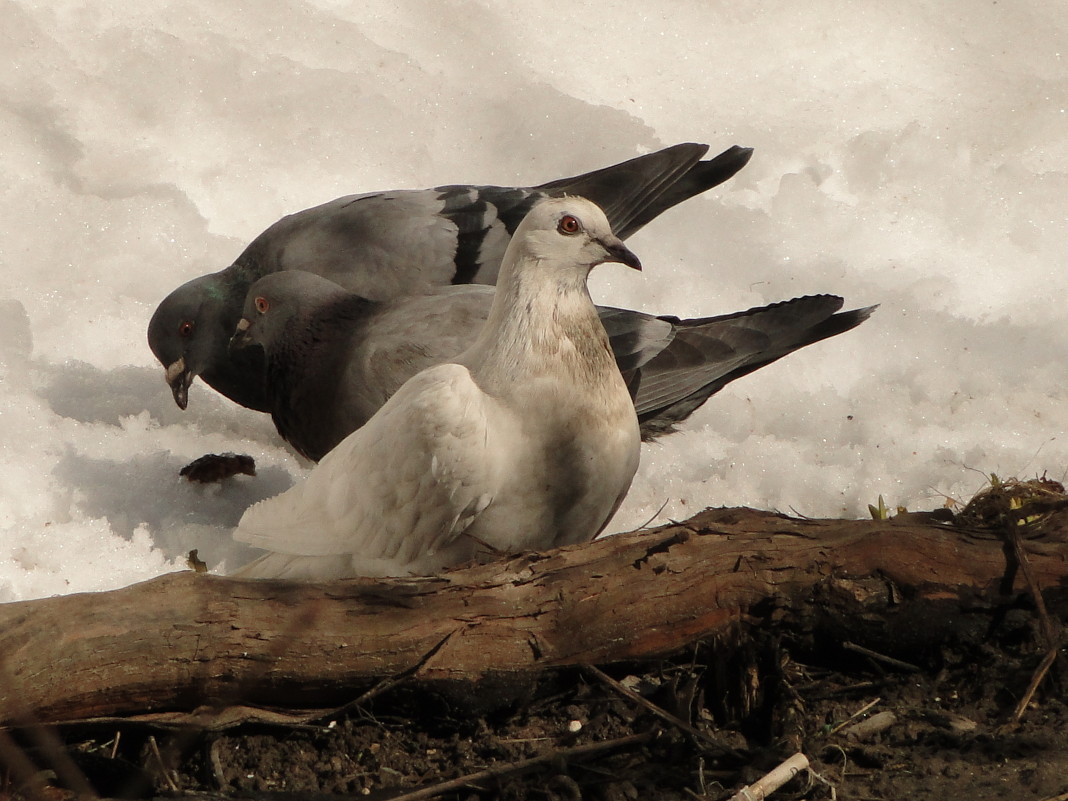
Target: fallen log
pixel 186 640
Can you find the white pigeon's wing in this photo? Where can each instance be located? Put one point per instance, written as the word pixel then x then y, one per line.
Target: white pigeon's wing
pixel 406 484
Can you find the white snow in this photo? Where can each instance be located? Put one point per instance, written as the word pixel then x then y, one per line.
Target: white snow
pixel 909 154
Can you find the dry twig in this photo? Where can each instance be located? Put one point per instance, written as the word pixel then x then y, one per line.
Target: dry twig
pixel 651 707
pixel 1049 631
pixel 854 716
pixel 908 667
pixel 769 783
pixel 1036 679
pixel 498 772
pixel 162 765
pixel 386 684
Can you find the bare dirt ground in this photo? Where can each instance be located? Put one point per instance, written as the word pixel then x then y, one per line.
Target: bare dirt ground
pixel 947 739
pixel 750 704
pixel 949 721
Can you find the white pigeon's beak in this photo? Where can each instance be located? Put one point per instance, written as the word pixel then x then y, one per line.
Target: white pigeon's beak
pixel 617 251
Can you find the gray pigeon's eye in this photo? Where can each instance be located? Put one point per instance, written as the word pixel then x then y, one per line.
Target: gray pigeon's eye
pixel 262 305
pixel 569 225
pixel 185 329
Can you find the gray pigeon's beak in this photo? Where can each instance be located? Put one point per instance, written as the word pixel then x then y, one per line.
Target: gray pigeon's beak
pixel 617 251
pixel 241 338
pixel 179 380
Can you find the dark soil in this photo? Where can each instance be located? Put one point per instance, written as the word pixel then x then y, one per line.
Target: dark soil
pixel 751 704
pixel 700 725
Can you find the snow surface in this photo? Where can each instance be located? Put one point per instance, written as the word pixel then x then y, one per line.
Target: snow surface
pixel 909 154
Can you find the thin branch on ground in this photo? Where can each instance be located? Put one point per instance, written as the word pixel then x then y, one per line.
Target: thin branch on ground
pixel 1049 632
pixel 1036 680
pixel 386 684
pixel 663 714
pixel 908 667
pixel 162 765
pixel 854 716
pixel 524 765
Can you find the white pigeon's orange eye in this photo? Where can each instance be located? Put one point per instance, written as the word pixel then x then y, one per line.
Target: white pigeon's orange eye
pixel 262 305
pixel 185 329
pixel 569 225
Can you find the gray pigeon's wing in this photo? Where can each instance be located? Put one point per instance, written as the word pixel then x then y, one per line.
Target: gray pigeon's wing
pixel 415 332
pixel 630 193
pixel 671 366
pixel 347 375
pixel 635 338
pixel 634 192
pixel 406 484
pixel 487 216
pixel 378 245
pixel 707 354
pixel 384 244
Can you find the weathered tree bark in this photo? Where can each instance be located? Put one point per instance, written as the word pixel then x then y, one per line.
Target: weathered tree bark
pixel 186 639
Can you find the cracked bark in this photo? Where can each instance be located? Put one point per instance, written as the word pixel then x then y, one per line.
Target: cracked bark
pixel 185 640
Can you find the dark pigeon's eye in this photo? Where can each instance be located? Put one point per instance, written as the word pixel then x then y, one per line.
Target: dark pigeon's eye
pixel 262 305
pixel 569 225
pixel 185 329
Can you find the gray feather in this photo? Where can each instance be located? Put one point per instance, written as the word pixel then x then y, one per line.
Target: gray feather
pixel 334 358
pixel 385 245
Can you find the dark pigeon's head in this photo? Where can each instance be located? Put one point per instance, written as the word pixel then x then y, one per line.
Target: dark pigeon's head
pixel 189 333
pixel 274 301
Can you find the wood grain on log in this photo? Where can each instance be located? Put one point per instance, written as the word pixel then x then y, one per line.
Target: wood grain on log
pixel 188 639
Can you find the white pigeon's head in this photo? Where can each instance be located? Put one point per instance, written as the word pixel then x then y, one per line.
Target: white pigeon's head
pixel 570 231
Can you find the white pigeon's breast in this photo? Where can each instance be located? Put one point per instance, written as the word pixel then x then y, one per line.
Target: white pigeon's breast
pixel 569 460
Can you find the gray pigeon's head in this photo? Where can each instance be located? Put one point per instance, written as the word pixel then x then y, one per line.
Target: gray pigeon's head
pixel 571 231
pixel 277 299
pixel 188 332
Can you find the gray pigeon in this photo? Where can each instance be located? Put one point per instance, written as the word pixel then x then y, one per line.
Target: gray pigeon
pixel 333 358
pixel 384 245
pixel 528 440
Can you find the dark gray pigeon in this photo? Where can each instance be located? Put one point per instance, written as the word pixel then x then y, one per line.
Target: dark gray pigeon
pixel 384 245
pixel 334 358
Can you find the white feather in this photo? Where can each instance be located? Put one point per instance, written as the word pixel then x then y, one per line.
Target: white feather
pixel 529 440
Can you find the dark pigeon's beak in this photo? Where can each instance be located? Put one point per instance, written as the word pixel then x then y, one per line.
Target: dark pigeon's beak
pixel 241 338
pixel 617 251
pixel 179 379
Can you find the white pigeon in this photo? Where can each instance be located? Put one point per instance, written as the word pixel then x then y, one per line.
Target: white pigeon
pixel 528 440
